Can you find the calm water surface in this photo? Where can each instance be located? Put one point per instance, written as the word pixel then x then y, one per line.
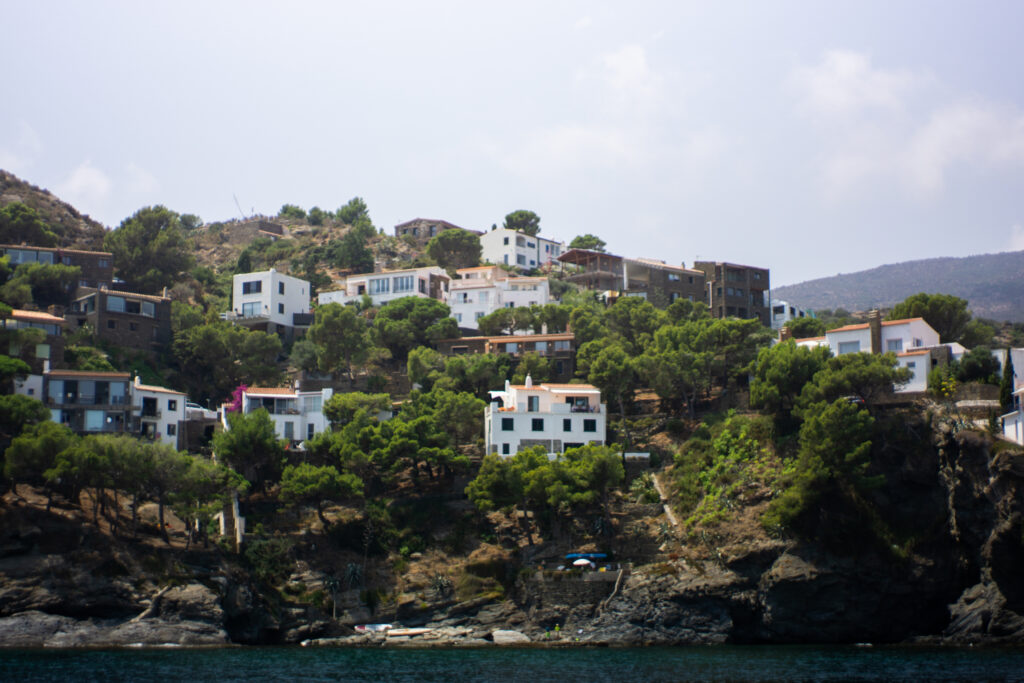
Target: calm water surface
pixel 723 663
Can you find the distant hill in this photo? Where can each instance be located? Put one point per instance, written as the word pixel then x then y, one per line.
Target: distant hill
pixel 74 229
pixel 993 284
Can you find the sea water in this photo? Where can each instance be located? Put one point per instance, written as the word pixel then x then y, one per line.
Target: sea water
pixel 716 663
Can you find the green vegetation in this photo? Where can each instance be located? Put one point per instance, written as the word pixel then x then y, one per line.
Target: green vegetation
pixel 454 249
pixel 149 249
pixel 526 222
pixel 588 241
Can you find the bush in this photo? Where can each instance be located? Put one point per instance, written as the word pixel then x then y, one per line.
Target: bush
pixel 269 559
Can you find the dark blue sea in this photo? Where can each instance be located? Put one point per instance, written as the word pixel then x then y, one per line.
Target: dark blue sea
pixel 721 663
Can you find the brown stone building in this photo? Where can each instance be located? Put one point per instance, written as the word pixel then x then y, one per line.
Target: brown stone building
pixel 97 266
pixel 559 349
pixel 659 282
pixel 137 321
pixel 735 291
pixel 422 229
pixel 89 402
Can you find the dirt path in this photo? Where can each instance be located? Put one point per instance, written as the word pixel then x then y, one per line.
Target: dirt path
pixel 664 502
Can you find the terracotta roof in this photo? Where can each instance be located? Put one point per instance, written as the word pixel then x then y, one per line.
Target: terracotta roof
pixel 920 352
pixel 36 317
pixel 572 387
pixel 274 391
pixel 463 270
pixel 162 390
pixel 56 249
pixel 805 339
pixel 87 373
pixel 864 326
pixel 518 338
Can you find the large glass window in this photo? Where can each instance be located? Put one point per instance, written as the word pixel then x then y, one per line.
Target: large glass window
pixel 849 347
pixel 404 283
pixel 590 425
pixel 532 404
pixel 508 424
pixel 93 420
pixel 251 309
pixel 894 345
pixel 380 286
pixel 115 304
pixel 253 287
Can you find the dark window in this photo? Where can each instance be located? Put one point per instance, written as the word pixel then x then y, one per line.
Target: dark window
pixel 532 403
pixel 508 424
pixel 310 430
pixel 280 308
pixel 172 430
pixel 112 324
pixel 538 424
pixel 252 287
pixel 506 240
pixel 590 425
pixel 505 449
pixel 133 326
pixel 566 425
pixel 280 288
pixel 172 404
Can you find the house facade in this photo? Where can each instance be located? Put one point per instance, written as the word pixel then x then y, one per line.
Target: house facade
pixel 97 267
pixel 525 252
pixel 483 290
pixel 429 282
pixel 555 416
pixel 784 311
pixel 270 301
pixel 50 351
pixel 423 229
pixel 559 349
pixel 297 415
pixel 139 321
pixel 1013 422
pixel 159 413
pixel 89 402
pixel 914 342
pixel 735 291
pixel 656 281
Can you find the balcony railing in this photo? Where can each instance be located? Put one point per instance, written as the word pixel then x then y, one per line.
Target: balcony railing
pixel 88 400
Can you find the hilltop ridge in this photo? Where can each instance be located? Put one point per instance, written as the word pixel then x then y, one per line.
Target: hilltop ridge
pixel 73 228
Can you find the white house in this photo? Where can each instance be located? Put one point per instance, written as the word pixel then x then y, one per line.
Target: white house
pixel 1013 423
pixel 428 282
pixel 783 311
pixel 269 300
pixel 555 416
pixel 526 252
pixel 914 342
pixel 483 290
pixel 297 415
pixel 159 413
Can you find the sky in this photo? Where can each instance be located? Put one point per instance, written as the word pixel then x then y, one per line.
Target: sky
pixel 812 138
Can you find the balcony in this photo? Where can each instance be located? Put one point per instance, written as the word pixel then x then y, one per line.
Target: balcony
pixel 117 402
pixel 243 319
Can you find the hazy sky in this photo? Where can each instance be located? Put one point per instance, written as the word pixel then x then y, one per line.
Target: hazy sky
pixel 811 138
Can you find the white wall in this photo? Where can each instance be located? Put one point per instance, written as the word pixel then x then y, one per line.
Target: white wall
pixel 909 335
pixel 170 406
pixel 270 302
pixel 920 364
pixel 308 412
pixel 471 299
pixel 522 251
pixel 861 336
pixel 375 285
pixel 551 409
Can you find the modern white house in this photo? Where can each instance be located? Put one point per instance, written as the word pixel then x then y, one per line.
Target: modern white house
pixel 297 415
pixel 1013 422
pixel 526 252
pixel 428 282
pixel 555 416
pixel 485 289
pixel 269 300
pixel 914 342
pixel 784 311
pixel 159 413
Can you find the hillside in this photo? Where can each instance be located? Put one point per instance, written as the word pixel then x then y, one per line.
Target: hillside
pixel 74 228
pixel 993 284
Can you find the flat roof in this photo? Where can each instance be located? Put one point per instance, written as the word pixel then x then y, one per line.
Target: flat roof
pixel 162 390
pixel 271 391
pixel 556 336
pixel 87 374
pixel 55 249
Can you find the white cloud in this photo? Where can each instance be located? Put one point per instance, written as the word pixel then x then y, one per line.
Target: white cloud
pixel 87 187
pixel 891 126
pixel 1016 238
pixel 627 73
pixel 846 83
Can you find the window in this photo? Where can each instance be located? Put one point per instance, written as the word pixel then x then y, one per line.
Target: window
pixel 478 315
pixel 520 259
pixel 537 424
pixel 280 288
pixel 134 327
pixel 530 245
pixel 508 424
pixel 566 424
pixel 280 308
pixel 310 430
pixel 250 309
pixel 672 277
pixel 254 287
pixel 148 309
pixel 894 345
pixel 423 286
pixel 458 317
pixel 848 347
pixel 172 404
pixel 918 342
pixel 42 350
pixel 506 241
pixel 404 283
pixel 112 324
pixel 532 404
pixel 312 404
pixel 115 304
pixel 590 425
pixel 380 286
pixel 172 430
pixel 912 365
pixel 289 430
pixel 482 297
pixel 562 345
pixel 504 447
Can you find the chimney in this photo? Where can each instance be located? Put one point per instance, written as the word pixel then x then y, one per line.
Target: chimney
pixel 529 382
pixel 875 325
